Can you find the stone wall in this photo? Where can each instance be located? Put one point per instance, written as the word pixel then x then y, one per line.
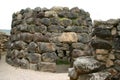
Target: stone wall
pixel 40 37
pixel 104 64
pixel 3 42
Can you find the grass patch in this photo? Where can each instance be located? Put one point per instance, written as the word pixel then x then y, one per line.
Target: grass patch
pixel 60 62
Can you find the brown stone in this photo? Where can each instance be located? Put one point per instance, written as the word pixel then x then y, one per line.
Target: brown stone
pixel 68 37
pixel 111 56
pixel 101 51
pixel 114 31
pixel 109 63
pixel 101 57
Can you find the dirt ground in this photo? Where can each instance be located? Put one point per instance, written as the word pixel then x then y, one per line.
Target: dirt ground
pixel 8 72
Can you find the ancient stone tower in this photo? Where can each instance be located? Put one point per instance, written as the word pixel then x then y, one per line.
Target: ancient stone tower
pixel 40 37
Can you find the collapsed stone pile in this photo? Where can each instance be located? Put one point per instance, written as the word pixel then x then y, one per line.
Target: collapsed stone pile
pixel 41 36
pixel 104 64
pixel 3 41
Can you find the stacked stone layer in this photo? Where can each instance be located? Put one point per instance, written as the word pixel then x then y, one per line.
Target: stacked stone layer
pixel 3 42
pixel 41 36
pixel 104 64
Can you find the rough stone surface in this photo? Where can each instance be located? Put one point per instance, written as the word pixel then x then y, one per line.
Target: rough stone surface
pixel 71 37
pixel 86 64
pixel 105 43
pixel 48 35
pixel 46 66
pixel 3 42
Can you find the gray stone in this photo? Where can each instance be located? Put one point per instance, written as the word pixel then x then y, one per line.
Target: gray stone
pixel 66 22
pixel 30 20
pixel 72 74
pixel 78 46
pixel 83 37
pixel 45 21
pixel 47 66
pixel 23 28
pixel 55 28
pixel 49 57
pixel 16 62
pixel 101 44
pixel 24 63
pixel 41 29
pixel 118 27
pixel 102 32
pixel 62 13
pixel 77 53
pixel 27 37
pixel 55 21
pixel 86 64
pixel 77 29
pixel 40 14
pixel 32 47
pixel 21 54
pixel 19 45
pixel 72 15
pixel 15 37
pixel 46 47
pixel 95 76
pixel 34 58
pixel 63 46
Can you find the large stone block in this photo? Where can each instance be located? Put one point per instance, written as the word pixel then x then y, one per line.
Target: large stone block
pixel 34 58
pixel 19 45
pixel 49 57
pixel 77 53
pixel 46 47
pixel 101 44
pixel 55 28
pixel 78 46
pixel 95 76
pixel 39 37
pixel 72 74
pixel 77 29
pixel 47 66
pixel 27 37
pixel 102 32
pixel 101 51
pixel 24 63
pixel 86 64
pixel 68 37
pixel 83 37
pixel 32 47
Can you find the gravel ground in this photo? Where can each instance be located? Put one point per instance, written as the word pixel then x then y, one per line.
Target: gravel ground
pixel 8 72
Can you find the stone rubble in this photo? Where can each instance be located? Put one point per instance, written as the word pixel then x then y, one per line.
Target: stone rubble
pixel 3 42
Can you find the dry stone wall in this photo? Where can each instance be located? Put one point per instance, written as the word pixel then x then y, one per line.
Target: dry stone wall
pixel 104 64
pixel 41 36
pixel 3 42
